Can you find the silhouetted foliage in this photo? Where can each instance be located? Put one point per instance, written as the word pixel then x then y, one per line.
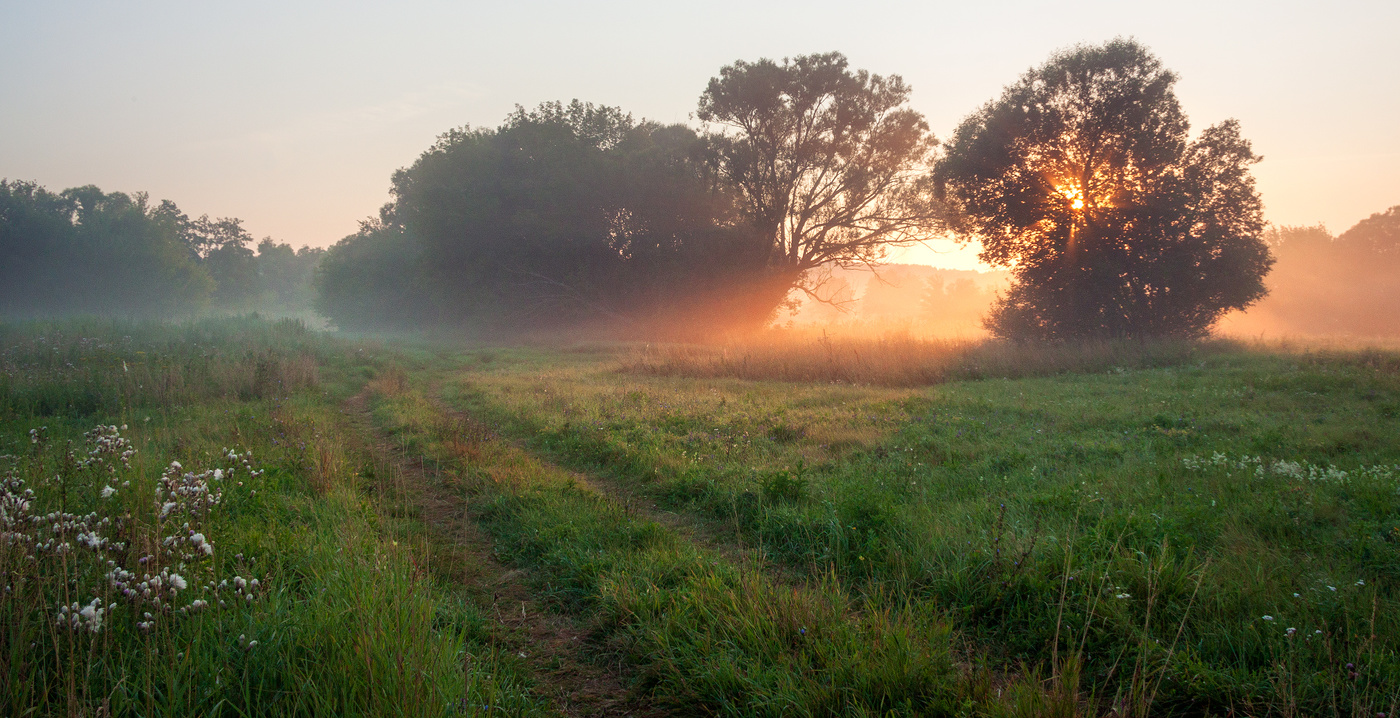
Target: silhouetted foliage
pixel 86 251
pixel 1082 180
pixel 562 217
pixel 1333 286
pixel 829 164
pixel 373 280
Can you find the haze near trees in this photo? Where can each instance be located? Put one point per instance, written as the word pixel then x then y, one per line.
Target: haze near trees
pixel 575 215
pixel 829 165
pixel 86 251
pixel 1082 180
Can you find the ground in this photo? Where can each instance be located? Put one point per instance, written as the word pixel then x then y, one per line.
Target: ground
pixel 1184 530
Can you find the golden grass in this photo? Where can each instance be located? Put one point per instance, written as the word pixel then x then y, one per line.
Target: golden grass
pixel 900 360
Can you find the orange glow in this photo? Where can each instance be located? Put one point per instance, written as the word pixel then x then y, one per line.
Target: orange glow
pixel 1074 194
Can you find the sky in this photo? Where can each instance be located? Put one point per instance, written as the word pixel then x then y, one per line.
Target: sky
pixel 293 115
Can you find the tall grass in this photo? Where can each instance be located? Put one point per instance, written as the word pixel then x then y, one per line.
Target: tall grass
pixel 901 360
pixel 1156 515
pixel 251 578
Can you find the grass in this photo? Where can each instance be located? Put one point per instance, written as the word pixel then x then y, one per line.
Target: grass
pixel 901 360
pixel 877 528
pixel 703 633
pixel 305 605
pixel 1088 515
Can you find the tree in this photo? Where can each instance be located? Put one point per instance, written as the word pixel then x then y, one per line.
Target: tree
pixel 827 162
pixel 84 250
pixel 1377 237
pixel 569 216
pixel 1082 180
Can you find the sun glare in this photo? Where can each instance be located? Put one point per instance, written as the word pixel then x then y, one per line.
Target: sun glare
pixel 1073 194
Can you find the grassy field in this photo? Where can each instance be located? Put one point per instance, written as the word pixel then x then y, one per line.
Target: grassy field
pixel 188 530
pixel 812 527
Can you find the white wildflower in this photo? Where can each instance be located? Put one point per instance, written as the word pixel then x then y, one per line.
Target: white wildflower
pixel 108 492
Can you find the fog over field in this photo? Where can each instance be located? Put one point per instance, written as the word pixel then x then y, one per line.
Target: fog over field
pixel 774 359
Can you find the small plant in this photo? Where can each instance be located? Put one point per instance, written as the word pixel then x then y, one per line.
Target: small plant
pixel 784 485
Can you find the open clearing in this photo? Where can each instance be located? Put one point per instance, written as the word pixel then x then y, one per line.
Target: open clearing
pixel 1207 530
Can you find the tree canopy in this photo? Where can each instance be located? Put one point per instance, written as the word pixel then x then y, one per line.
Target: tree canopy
pixel 86 251
pixel 1082 179
pixel 829 164
pixel 565 216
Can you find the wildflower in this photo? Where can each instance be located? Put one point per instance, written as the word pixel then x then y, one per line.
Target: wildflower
pixel 1361 582
pixel 1124 595
pixel 108 492
pixel 1290 632
pixel 1268 618
pixel 178 582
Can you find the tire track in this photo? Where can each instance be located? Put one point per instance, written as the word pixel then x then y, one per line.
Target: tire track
pixel 552 644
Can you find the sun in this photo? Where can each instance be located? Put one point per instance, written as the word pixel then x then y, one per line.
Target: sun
pixel 1073 194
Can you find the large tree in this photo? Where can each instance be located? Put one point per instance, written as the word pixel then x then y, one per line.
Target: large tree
pixel 565 217
pixel 1083 180
pixel 829 163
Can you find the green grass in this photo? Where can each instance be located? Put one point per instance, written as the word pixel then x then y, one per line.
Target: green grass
pixel 343 620
pixel 704 635
pixel 1023 508
pixel 1099 529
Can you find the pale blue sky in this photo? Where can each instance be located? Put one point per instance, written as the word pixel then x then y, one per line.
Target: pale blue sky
pixel 293 115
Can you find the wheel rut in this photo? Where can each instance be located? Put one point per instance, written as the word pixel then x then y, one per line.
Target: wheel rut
pixel 706 534
pixel 552 644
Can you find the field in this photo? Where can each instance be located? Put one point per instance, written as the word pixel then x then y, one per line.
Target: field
pixel 796 527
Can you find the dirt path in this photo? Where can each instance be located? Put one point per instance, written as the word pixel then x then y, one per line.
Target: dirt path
pixel 707 534
pixel 552 644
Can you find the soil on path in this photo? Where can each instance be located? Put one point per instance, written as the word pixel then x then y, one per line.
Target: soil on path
pixel 553 645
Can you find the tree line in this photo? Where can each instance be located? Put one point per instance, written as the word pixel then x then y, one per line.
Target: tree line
pixel 1326 284
pixel 86 251
pixel 1081 179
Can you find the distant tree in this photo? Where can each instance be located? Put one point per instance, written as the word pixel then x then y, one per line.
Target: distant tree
pixel 568 216
pixel 286 273
pixel 84 250
pixel 1082 180
pixel 827 162
pixel 372 280
pixel 1325 285
pixel 1377 236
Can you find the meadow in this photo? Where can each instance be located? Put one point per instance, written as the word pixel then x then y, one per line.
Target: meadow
pixel 812 526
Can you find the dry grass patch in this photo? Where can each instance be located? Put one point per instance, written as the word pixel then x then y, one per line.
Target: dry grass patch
pixel 899 360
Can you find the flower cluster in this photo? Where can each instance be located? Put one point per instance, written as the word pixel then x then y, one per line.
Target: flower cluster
pixel 158 582
pixel 107 445
pixel 83 618
pixel 1294 470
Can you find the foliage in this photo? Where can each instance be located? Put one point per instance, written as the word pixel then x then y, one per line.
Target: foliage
pixel 90 252
pixel 86 251
pixel 1081 179
pixel 564 216
pixel 1325 285
pixel 372 280
pixel 827 162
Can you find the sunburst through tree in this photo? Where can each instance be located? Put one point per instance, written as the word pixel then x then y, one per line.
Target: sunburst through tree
pixel 1082 179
